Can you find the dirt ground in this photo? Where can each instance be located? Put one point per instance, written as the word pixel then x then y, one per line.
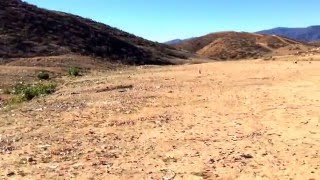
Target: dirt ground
pixel 221 120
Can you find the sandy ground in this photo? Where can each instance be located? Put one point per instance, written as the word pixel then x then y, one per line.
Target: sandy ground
pixel 223 120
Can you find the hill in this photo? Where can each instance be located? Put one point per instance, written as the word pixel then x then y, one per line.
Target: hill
pixel 176 41
pixel 29 31
pixel 308 34
pixel 316 43
pixel 240 45
pixel 173 42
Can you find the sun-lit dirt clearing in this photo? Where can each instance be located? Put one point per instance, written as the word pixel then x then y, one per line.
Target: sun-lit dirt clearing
pixel 223 120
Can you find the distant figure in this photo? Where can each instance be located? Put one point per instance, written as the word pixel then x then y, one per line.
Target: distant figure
pixel 200 71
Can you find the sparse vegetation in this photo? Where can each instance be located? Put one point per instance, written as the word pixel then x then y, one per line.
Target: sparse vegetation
pixel 43 75
pixel 26 92
pixel 74 71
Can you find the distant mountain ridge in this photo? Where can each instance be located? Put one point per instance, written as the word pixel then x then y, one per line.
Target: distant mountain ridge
pixel 308 34
pixel 173 42
pixel 177 41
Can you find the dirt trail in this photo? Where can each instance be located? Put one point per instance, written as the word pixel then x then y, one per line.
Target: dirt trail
pixel 244 120
pixel 281 39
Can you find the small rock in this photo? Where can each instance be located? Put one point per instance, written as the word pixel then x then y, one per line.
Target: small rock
pixel 21 173
pixel 247 156
pixel 78 166
pixel 128 112
pixel 211 161
pixel 11 173
pixel 23 161
pixel 31 160
pixel 53 166
pixel 169 175
pixel 45 147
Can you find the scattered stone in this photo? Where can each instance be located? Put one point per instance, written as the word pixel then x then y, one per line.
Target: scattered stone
pixel 247 156
pixel 128 112
pixel 23 161
pixel 169 174
pixel 31 160
pixel 11 173
pixel 78 166
pixel 45 147
pixel 21 173
pixel 212 161
pixel 53 166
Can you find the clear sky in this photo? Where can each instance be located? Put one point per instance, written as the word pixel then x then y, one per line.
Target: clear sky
pixel 162 20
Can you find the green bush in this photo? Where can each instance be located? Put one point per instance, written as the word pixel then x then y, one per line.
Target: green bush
pixel 43 75
pixel 74 71
pixel 28 92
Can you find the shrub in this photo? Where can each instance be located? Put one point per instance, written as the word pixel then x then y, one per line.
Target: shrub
pixel 28 92
pixel 74 71
pixel 43 75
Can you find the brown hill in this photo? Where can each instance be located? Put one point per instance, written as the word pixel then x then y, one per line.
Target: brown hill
pixel 317 43
pixel 29 31
pixel 239 45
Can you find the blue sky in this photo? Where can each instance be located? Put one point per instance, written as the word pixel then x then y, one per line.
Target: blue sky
pixel 162 20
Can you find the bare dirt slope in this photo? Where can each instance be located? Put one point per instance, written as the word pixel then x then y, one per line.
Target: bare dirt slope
pixel 244 119
pixel 241 45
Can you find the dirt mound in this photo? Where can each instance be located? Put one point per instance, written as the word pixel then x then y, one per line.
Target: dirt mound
pixel 240 45
pixel 29 31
